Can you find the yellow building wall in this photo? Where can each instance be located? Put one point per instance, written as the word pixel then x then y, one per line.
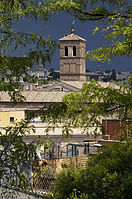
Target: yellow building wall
pixel 5 117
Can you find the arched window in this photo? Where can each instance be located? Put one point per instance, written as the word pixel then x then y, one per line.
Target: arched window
pixel 74 50
pixel 66 51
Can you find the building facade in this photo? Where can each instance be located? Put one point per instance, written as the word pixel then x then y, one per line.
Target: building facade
pixel 72 58
pixel 8 117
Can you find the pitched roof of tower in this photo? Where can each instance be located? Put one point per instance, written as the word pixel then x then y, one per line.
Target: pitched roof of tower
pixel 72 36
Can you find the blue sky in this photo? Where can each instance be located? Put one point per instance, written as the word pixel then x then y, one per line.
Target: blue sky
pixel 60 24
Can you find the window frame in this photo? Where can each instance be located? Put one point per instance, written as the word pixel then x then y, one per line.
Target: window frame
pixel 11 120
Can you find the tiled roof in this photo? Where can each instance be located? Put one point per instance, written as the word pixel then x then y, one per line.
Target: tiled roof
pixel 76 84
pixel 56 96
pixel 36 96
pixel 72 36
pixel 79 85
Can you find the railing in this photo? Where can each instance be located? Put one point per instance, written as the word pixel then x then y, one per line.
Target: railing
pixel 69 150
pixel 69 154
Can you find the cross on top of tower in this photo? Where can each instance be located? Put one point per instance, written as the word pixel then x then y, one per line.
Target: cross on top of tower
pixel 73 28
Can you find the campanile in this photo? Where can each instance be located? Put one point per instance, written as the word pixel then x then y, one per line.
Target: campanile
pixel 72 57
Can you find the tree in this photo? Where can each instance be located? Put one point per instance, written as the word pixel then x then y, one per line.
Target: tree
pixel 86 109
pixel 113 75
pixel 75 106
pixel 14 155
pixel 107 71
pixel 107 175
pixel 110 77
pixel 118 27
pixel 117 15
pixel 55 75
pixel 13 68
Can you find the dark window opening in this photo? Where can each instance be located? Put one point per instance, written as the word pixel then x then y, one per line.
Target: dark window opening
pixel 11 119
pixel 66 51
pixel 74 50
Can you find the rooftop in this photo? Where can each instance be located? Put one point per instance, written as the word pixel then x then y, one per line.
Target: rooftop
pixel 79 84
pixel 72 36
pixel 52 95
pixel 36 96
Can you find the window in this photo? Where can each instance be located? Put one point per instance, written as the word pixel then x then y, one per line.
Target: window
pixel 74 50
pixel 66 51
pixel 11 119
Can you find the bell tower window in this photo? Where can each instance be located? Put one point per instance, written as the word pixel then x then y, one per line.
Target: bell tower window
pixel 66 51
pixel 74 51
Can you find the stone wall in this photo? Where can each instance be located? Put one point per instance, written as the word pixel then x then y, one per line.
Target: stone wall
pixel 14 194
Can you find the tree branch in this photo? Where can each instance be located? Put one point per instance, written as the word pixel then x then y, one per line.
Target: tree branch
pixel 8 19
pixel 117 107
pixel 101 15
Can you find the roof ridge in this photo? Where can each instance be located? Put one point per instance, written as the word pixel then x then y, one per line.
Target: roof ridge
pixel 71 36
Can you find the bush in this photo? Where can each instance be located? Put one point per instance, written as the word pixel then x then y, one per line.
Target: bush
pixel 48 196
pixel 107 175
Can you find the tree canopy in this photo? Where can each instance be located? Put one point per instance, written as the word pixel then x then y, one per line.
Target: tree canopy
pixel 117 15
pixel 86 109
pixel 107 175
pixel 118 26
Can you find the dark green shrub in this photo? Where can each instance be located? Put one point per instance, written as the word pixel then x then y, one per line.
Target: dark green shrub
pixel 108 176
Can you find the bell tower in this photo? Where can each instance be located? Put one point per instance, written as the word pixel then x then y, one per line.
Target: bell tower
pixel 72 57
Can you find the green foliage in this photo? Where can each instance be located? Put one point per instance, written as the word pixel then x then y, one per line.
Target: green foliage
pixel 14 68
pixel 44 172
pixel 14 153
pixel 11 73
pixel 80 109
pixel 55 75
pixel 113 75
pixel 107 175
pixel 119 32
pixel 55 112
pixel 46 144
pixel 42 82
pixel 48 196
pixel 85 109
pixel 118 16
pixel 78 195
pixel 117 29
pixel 108 77
pixel 65 183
